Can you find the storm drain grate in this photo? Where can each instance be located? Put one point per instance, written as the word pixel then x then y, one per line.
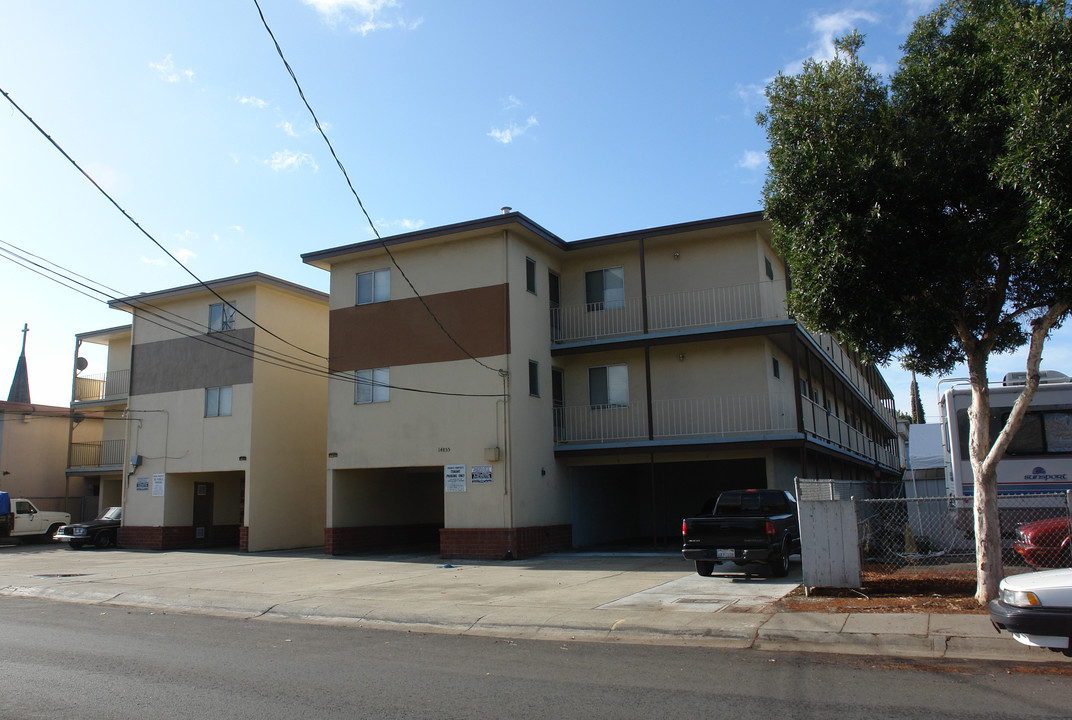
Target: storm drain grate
pixel 57 575
pixel 704 601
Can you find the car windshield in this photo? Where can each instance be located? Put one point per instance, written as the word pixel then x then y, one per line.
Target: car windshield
pixel 112 513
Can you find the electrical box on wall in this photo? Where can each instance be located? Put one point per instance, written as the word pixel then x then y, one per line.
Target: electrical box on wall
pixel 491 454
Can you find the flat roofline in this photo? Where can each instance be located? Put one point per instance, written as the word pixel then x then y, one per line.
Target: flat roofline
pixel 319 258
pixel 322 258
pixel 105 333
pixel 244 279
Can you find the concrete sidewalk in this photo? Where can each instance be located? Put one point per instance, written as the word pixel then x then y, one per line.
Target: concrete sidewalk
pixel 637 598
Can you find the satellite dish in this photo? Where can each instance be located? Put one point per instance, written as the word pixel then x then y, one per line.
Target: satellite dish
pixel 81 363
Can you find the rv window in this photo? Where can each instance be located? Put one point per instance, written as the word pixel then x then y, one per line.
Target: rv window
pixel 1058 432
pixel 1028 440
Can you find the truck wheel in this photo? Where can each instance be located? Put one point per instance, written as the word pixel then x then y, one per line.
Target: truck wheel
pixel 780 565
pixel 705 567
pixel 47 537
pixel 104 540
pixel 76 544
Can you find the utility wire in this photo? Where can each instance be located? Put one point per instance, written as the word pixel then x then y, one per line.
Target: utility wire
pixel 357 197
pixel 144 231
pixel 192 329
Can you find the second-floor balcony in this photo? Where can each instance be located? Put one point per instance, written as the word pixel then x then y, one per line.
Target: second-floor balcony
pixel 711 307
pixel 99 454
pixel 717 418
pixel 113 385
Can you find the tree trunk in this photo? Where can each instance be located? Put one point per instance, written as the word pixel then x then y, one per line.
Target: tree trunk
pixel 988 566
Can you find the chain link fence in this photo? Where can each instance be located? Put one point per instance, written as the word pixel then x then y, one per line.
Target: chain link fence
pixel 938 533
pixel 934 537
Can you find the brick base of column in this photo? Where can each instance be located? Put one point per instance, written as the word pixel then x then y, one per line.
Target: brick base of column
pixel 243 538
pixel 504 543
pixel 134 537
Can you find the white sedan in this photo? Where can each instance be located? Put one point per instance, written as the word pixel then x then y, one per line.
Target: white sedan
pixel 1037 609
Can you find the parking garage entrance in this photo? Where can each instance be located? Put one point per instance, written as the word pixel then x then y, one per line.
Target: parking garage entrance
pixel 642 504
pixel 384 508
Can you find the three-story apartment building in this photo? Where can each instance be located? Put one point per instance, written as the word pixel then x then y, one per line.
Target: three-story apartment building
pixel 508 393
pixel 224 417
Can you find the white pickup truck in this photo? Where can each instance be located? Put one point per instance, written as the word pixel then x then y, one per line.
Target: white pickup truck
pixel 21 518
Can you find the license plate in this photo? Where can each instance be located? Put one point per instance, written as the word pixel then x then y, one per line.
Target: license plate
pixel 721 553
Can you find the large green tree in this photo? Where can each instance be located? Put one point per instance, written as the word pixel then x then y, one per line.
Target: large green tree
pixel 928 217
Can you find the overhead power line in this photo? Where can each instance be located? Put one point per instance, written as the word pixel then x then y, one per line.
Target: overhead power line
pixel 143 230
pixel 357 197
pixel 192 329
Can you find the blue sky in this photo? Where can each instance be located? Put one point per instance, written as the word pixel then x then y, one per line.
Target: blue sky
pixel 589 117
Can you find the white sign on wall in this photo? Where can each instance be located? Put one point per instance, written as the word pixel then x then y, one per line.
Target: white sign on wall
pixel 454 478
pixel 481 474
pixel 158 485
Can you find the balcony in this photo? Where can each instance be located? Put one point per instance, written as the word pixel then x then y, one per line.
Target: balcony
pixel 722 417
pixel 100 454
pixel 829 427
pixel 712 418
pixel 713 307
pixel 113 385
pixel 843 362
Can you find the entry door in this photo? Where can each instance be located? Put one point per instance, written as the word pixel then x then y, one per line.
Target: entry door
pixel 202 513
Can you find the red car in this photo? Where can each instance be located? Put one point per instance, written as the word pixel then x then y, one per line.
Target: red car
pixel 1044 543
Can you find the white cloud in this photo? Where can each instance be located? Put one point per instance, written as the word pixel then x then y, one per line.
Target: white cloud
pixel 184 255
pixel 290 160
pixel 253 102
pixel 828 28
pixel 159 262
pixel 236 228
pixel 167 72
pixel 752 159
pixel 507 135
pixel 288 128
pixel 365 16
pixel 511 102
pixel 753 96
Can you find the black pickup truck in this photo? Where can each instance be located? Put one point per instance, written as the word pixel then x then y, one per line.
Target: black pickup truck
pixel 745 526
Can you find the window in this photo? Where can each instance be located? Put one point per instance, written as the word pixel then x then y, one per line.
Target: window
pixel 769 268
pixel 218 401
pixel 534 378
pixel 554 298
pixel 373 287
pixel 604 289
pixel 372 386
pixel 776 368
pixel 608 386
pixel 530 275
pixel 221 317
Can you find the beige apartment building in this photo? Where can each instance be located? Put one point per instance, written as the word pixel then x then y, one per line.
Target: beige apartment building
pixel 219 398
pixel 96 455
pixel 539 395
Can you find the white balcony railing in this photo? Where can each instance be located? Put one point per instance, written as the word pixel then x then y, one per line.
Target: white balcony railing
pixel 103 453
pixel 711 307
pixel 113 384
pixel 842 361
pixel 825 425
pixel 718 417
pixel 714 417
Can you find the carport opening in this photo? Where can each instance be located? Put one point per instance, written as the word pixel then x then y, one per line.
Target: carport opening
pixel 383 509
pixel 642 505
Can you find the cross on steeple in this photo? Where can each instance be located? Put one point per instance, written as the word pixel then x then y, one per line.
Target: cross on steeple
pixel 20 384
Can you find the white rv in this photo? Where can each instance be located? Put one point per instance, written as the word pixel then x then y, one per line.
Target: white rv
pixel 1039 459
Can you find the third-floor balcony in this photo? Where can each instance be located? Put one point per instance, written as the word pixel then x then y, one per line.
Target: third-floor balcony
pixel 711 307
pixel 113 385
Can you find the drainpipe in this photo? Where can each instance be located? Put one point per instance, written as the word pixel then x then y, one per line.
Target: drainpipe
pixel 508 460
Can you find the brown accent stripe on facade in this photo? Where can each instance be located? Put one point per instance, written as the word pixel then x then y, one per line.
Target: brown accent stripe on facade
pixel 212 360
pixel 401 332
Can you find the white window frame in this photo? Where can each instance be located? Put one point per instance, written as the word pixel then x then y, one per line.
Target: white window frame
pixel 615 386
pixel 372 385
pixel 221 317
pixel 380 289
pixel 218 401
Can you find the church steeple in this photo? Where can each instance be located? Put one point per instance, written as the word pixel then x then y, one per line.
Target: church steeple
pixel 20 384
